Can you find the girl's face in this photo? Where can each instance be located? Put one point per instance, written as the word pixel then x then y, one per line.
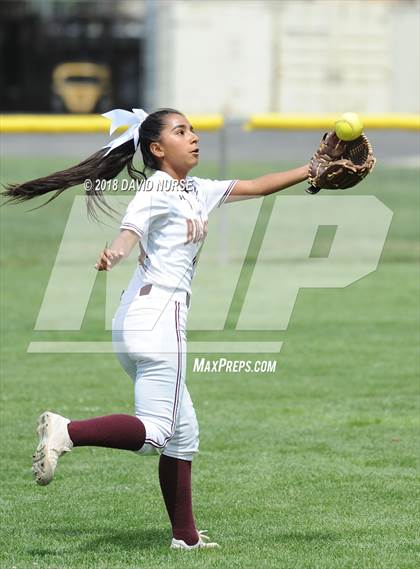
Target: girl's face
pixel 177 148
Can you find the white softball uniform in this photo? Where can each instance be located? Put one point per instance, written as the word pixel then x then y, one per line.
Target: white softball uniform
pixel 149 327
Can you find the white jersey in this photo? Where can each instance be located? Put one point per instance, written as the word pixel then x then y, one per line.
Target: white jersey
pixel 171 219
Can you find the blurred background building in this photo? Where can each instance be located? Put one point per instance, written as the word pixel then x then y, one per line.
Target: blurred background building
pixel 58 55
pixel 203 56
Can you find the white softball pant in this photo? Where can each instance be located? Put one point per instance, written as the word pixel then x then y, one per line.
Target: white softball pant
pixel 149 337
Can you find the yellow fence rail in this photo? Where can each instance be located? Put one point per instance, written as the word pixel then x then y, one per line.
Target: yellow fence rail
pixel 210 122
pixel 85 123
pixel 326 121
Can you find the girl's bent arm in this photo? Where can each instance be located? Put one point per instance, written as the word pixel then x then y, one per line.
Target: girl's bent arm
pixel 120 248
pixel 268 184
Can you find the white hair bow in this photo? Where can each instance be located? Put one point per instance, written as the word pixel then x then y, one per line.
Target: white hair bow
pixel 120 117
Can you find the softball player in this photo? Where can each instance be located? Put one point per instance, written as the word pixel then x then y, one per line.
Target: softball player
pixel 167 219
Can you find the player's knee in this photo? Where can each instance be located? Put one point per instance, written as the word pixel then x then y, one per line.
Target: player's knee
pixel 184 444
pixel 158 433
pixel 191 439
pixel 186 438
pixel 189 428
pixel 194 434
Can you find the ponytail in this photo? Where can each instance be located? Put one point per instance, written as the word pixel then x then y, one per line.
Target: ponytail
pixel 96 167
pixel 105 164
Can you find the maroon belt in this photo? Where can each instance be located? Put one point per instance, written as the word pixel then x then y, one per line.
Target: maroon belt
pixel 145 290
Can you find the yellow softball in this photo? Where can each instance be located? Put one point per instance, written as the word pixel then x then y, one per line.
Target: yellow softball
pixel 348 126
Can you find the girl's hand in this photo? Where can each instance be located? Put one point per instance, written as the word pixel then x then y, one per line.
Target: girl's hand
pixel 107 259
pixel 119 249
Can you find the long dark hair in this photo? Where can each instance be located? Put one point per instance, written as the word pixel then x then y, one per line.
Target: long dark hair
pixel 97 167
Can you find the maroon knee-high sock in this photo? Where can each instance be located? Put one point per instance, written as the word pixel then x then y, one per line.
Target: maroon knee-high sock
pixel 175 483
pixel 113 431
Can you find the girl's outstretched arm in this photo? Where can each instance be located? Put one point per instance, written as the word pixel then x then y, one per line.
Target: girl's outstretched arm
pixel 120 248
pixel 268 184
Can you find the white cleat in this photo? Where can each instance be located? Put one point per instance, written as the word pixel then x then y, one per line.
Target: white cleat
pixel 203 542
pixel 54 441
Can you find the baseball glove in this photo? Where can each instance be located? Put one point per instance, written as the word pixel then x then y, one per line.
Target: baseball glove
pixel 338 164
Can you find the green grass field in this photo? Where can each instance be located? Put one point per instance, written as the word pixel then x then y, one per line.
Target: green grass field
pixel 314 467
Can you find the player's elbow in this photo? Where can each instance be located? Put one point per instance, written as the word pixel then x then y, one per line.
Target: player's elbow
pixel 247 189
